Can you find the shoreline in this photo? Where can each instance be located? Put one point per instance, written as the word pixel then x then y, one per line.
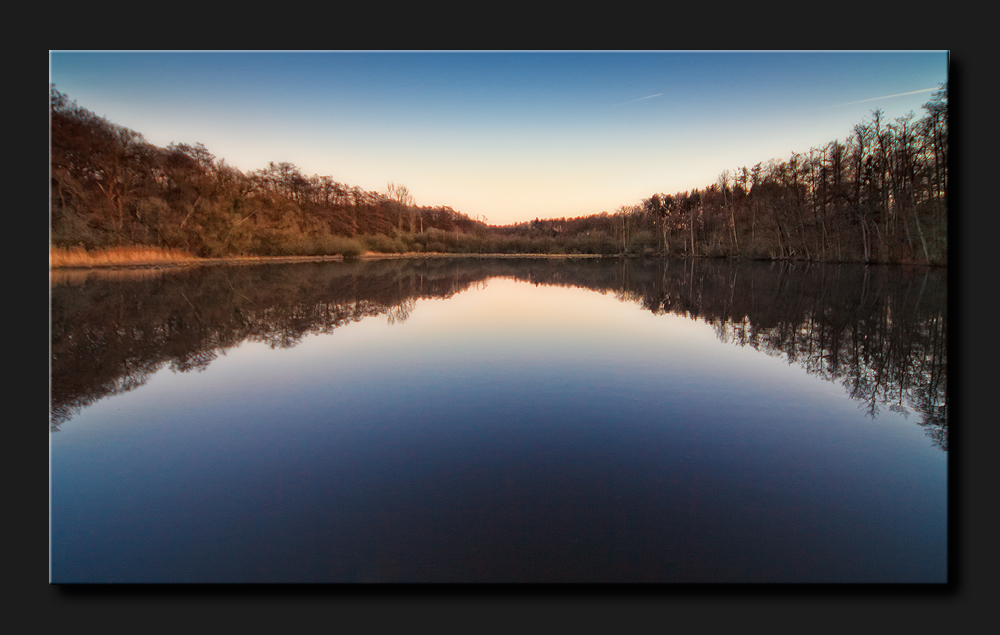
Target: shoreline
pixel 253 260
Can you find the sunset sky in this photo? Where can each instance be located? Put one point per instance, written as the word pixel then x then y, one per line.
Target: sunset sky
pixel 502 136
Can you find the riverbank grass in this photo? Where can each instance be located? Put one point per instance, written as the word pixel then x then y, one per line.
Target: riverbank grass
pixel 80 257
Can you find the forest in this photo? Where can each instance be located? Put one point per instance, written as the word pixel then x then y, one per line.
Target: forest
pixel 880 195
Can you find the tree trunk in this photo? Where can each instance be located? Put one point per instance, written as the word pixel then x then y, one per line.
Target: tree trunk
pixel 920 232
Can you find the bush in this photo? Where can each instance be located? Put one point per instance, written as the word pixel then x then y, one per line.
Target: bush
pixel 69 230
pixel 383 244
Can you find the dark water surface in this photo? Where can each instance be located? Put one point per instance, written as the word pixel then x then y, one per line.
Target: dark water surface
pixel 513 420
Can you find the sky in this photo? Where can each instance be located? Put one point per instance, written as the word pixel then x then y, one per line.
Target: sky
pixel 502 136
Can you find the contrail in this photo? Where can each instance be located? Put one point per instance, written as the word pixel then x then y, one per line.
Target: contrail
pixel 912 92
pixel 646 97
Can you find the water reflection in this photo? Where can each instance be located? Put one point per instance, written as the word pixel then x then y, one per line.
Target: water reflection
pixel 881 332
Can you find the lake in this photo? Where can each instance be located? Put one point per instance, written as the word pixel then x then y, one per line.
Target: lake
pixel 500 420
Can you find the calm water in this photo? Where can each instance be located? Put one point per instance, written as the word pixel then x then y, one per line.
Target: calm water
pixel 516 420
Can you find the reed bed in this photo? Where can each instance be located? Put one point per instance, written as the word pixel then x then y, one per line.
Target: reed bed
pixel 116 256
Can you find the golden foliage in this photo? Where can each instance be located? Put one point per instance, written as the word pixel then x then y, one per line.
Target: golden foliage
pixel 123 256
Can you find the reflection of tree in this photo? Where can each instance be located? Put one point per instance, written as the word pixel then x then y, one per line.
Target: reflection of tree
pixel 400 312
pixel 879 331
pixel 109 335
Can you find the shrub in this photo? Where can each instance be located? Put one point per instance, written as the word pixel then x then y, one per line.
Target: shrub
pixel 383 244
pixel 69 230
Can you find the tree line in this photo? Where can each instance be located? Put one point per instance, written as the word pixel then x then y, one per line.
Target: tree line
pixel 111 188
pixel 879 195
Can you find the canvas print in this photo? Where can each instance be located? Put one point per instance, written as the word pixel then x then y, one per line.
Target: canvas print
pixel 505 317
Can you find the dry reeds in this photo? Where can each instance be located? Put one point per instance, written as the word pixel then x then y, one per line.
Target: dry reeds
pixel 116 256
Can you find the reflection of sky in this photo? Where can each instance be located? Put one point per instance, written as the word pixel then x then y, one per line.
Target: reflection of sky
pixel 508 136
pixel 560 417
pixel 504 337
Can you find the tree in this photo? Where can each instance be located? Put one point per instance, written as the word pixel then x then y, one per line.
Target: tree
pixel 404 202
pixel 861 163
pixel 723 182
pixel 934 130
pixel 89 153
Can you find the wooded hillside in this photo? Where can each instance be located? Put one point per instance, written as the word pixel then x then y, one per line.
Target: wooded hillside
pixel 879 195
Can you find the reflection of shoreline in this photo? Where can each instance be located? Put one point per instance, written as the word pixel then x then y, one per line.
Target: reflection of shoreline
pixel 78 274
pixel 879 330
pixel 78 277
